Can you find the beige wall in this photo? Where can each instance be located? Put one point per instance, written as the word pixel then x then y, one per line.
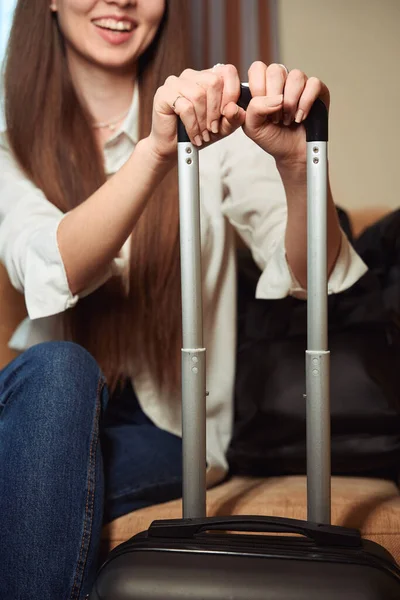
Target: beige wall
pixel 354 46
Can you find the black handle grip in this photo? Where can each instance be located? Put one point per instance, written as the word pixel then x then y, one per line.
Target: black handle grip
pixel 245 96
pixel 322 535
pixel 316 123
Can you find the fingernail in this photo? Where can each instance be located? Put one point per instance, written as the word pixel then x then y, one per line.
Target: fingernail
pixel 299 116
pixel 277 117
pixel 215 126
pixel 206 136
pixel 274 100
pixel 198 141
pixel 287 119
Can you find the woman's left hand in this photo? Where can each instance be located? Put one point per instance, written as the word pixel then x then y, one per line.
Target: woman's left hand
pixel 279 134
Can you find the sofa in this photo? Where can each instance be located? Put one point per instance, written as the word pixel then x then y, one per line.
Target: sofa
pixel 371 505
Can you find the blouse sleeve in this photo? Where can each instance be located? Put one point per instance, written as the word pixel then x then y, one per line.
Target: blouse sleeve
pixel 255 204
pixel 28 242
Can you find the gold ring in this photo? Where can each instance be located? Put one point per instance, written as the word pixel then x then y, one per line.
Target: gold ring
pixel 175 101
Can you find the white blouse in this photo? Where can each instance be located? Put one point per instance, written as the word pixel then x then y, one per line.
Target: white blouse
pixel 240 187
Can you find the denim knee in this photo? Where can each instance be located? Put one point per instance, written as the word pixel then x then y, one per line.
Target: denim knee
pixel 51 472
pixel 54 378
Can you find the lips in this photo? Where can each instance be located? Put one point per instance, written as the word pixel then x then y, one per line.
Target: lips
pixel 115 29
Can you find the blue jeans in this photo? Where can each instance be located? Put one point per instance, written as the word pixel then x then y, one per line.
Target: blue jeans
pixel 69 461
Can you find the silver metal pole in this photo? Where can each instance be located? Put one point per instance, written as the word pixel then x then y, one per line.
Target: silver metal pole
pixel 317 284
pixel 193 352
pixel 317 354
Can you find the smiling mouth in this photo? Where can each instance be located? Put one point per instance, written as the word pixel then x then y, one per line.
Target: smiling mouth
pixel 113 25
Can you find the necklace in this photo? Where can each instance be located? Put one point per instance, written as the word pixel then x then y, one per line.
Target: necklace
pixel 112 125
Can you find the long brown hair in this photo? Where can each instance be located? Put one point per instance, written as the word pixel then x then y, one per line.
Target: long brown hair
pixel 51 137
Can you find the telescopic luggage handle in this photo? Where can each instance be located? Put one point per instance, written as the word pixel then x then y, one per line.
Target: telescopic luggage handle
pixel 317 355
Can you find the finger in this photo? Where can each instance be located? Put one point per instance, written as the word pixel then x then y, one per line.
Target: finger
pixel 234 117
pixel 258 79
pixel 275 82
pixel 313 89
pixel 197 95
pixel 213 85
pixel 261 108
pixel 186 100
pixel 170 100
pixel 185 110
pixel 294 87
pixel 276 76
pixel 231 84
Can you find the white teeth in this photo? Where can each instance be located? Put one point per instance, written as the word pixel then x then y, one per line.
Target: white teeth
pixel 114 25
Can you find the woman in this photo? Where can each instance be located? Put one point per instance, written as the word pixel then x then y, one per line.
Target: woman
pixel 88 212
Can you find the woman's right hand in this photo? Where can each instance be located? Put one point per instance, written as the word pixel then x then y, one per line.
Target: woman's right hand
pixel 206 102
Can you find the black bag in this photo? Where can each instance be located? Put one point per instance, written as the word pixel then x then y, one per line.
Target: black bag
pixel 185 559
pixel 379 245
pixel 364 340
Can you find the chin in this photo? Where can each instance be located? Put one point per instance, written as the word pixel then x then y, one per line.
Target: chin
pixel 111 61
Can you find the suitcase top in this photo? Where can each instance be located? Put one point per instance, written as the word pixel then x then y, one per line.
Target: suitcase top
pixel 324 543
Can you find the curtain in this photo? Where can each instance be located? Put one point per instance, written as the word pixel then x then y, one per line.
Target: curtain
pixel 233 31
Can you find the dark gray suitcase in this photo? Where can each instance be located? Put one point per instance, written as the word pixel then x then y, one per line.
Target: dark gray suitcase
pixel 195 558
